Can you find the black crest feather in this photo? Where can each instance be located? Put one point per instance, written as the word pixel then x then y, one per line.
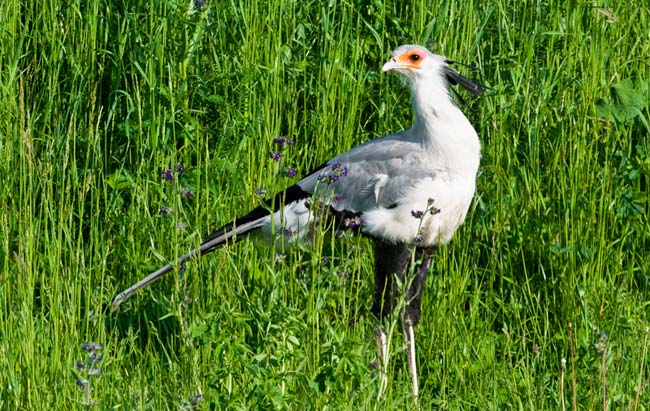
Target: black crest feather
pixel 456 79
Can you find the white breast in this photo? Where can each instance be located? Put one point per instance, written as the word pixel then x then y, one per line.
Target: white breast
pixel 451 196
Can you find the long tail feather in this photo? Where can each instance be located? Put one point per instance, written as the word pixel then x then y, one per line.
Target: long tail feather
pixel 243 225
pixel 218 238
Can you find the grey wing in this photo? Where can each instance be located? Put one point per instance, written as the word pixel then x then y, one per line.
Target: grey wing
pixel 375 174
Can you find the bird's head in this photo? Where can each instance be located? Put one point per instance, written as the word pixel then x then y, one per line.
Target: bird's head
pixel 417 63
pixel 413 61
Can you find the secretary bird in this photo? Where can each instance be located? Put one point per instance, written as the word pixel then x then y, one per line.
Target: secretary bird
pixel 408 192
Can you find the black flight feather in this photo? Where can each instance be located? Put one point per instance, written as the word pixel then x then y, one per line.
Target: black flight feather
pixel 288 196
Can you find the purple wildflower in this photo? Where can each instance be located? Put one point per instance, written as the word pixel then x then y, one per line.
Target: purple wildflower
pixel 82 384
pixel 167 175
pixel 165 210
pixel 283 141
pixel 186 192
pixel 417 214
pixel 275 155
pixel 261 192
pixel 291 172
pixel 80 365
pixel 286 230
pixel 353 222
pixel 92 346
pixel 338 171
pixel 434 210
pixel 94 371
pixel 418 239
pixel 199 4
pixel 318 209
pixel 196 398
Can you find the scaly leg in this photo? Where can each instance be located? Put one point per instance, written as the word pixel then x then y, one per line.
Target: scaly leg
pixel 382 342
pixel 412 312
pixel 390 260
pixel 411 359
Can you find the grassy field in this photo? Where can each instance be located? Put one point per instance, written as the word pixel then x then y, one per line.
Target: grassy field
pixel 541 302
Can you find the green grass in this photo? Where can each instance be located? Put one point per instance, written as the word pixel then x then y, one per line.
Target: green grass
pixel 98 97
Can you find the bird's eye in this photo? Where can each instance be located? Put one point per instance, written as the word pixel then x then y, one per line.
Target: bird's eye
pixel 414 57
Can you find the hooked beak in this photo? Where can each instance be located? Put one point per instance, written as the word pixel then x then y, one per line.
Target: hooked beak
pixel 392 64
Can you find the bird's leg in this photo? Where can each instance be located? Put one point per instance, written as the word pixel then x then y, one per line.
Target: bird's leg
pixel 412 311
pixel 417 284
pixel 390 260
pixel 409 335
pixel 382 343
